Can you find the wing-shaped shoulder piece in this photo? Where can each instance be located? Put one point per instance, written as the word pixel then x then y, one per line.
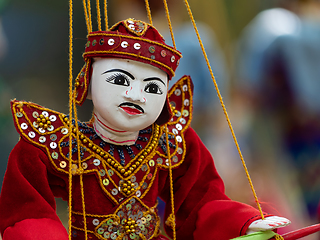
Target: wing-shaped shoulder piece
pixel 41 127
pixel 181 99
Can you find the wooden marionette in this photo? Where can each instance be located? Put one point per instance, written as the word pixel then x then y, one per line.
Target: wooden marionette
pixel 138 146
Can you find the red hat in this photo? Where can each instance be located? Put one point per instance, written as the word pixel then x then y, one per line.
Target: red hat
pixel 128 39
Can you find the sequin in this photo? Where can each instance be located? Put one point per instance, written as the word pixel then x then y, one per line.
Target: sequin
pixel 151 163
pixel 31 134
pixel 63 164
pixel 35 124
pixel 178 114
pixel 149 176
pixel 132 201
pixel 173 58
pixel 64 131
pixel 138 193
pixel 120 214
pixel 50 128
pixel 177 92
pixel 173 104
pixel 133 236
pixel 102 172
pixel 45 114
pixel 53 145
pixel 54 155
pixel 109 222
pixel 100 231
pixel 136 185
pixel 186 102
pixel 153 57
pixel 143 220
pixel 110 172
pixel 35 114
pixel 42 139
pixel 111 41
pixel 137 46
pixel 41 130
pixel 95 222
pixel 163 53
pixel 185 113
pixel 101 41
pixel 179 139
pixel 124 44
pixel 148 217
pixel 175 131
pixel 159 161
pixel 105 182
pixel 128 207
pixel 179 127
pixel 175 159
pixel 144 168
pixel 183 121
pixel 114 191
pixel 84 165
pixel 152 49
pixel 133 178
pixel 52 118
pixel 96 162
pixel 179 151
pixel 94 42
pixel 24 126
pixel 53 137
pixel 106 235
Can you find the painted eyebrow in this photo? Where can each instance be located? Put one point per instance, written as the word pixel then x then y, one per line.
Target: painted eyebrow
pixel 120 70
pixel 153 78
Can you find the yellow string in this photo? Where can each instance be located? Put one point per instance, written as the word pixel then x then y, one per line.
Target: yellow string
pixel 169 23
pixel 98 14
pixel 171 219
pixel 80 169
pixel 86 15
pixel 70 112
pixel 279 237
pixel 148 11
pixel 224 108
pixel 106 15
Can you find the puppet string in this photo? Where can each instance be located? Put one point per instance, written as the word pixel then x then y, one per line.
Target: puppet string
pixel 223 107
pixel 169 22
pixel 70 111
pixel 171 219
pixel 98 14
pixel 80 169
pixel 148 11
pixel 86 15
pixel 106 14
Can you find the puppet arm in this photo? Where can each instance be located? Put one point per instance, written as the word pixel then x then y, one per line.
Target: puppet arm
pixel 27 204
pixel 202 209
pixel 269 223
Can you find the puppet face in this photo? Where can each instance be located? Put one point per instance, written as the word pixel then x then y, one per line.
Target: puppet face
pixel 127 95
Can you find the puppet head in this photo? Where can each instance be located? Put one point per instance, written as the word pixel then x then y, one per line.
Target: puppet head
pixel 132 40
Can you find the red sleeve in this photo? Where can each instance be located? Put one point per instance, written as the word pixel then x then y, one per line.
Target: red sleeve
pixel 203 211
pixel 27 200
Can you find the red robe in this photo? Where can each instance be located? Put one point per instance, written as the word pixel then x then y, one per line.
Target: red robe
pixel 38 171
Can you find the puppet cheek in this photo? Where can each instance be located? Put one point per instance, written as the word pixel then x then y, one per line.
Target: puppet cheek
pixel 36 229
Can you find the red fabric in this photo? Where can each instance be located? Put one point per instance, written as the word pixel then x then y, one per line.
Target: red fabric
pixel 36 229
pixel 202 208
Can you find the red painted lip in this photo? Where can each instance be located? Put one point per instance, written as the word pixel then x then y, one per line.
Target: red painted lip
pixel 131 110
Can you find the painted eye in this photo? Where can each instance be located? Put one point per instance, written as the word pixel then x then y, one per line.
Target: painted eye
pixel 118 79
pixel 153 87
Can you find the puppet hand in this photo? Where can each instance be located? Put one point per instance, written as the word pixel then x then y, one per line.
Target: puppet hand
pixel 269 223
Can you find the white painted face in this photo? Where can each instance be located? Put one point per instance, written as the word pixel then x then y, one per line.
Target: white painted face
pixel 127 95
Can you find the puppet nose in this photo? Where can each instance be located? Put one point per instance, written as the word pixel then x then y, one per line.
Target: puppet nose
pixel 135 93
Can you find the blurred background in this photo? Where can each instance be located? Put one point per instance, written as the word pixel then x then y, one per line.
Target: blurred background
pixel 266 59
